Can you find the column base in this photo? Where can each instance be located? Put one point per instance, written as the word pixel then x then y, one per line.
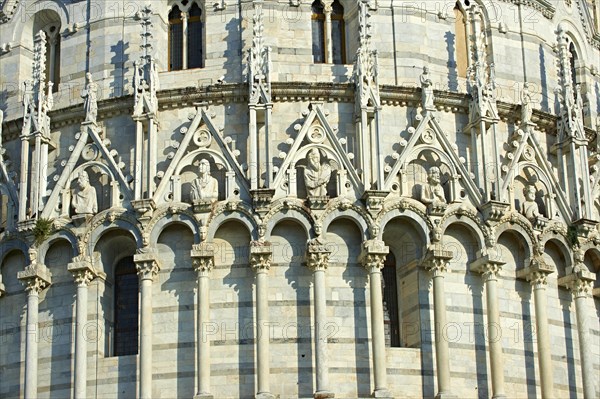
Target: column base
pixel 499 396
pixel 382 393
pixel 265 395
pixel 445 395
pixel 203 395
pixel 323 395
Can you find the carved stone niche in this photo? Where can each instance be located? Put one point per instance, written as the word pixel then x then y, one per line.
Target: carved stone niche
pixel 90 191
pixel 318 178
pixel 203 183
pixel 7 210
pixel 529 200
pixel 430 182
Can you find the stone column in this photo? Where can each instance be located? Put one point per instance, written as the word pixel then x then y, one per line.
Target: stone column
pixel 317 258
pixel 489 269
pixel 260 260
pixel 147 267
pixel 35 278
pixel 580 283
pixel 373 258
pixel 184 29
pixel 203 263
pixel 536 273
pixel 82 273
pixel 436 263
pixel 327 10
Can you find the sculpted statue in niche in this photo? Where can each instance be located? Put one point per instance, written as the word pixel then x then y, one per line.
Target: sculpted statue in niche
pixel 433 192
pixel 526 105
pixel 90 96
pixel 205 187
pixel 84 197
pixel 426 90
pixel 316 175
pixel 531 210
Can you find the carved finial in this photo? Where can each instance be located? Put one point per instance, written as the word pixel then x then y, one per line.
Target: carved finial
pixel 259 58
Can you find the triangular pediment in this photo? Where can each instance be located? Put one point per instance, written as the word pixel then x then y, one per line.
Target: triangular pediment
pixel 203 140
pixel 89 153
pixel 316 133
pixel 526 153
pixel 429 145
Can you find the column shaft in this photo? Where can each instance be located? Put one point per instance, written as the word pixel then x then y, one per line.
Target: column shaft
pixel 31 349
pixel 494 338
pixel 80 343
pixel 441 344
pixel 377 330
pixel 587 364
pixel 320 332
pixel 262 331
pixel 203 346
pixel 146 339
pixel 543 341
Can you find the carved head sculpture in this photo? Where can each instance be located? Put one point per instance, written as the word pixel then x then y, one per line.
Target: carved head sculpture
pixel 88 77
pixel 83 180
pixel 204 167
pixel 314 159
pixel 425 70
pixel 433 177
pixel 530 192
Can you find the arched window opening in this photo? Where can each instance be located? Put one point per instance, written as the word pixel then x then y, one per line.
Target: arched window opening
pixel 175 40
pixel 186 36
pixel 338 34
pixel 573 64
pixel 391 314
pixel 194 37
pixel 318 32
pixel 126 308
pixel 461 52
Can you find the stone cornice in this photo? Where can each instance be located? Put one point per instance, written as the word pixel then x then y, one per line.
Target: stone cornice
pixel 282 91
pixel 543 6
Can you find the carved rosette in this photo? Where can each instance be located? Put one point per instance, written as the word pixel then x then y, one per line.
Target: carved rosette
pixel 35 278
pixel 373 255
pixel 260 256
pixel 146 264
pixel 82 272
pixel 317 255
pixel 203 258
pixel 487 267
pixel 436 261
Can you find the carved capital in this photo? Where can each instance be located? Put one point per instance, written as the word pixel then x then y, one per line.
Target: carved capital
pixel 260 255
pixel 373 254
pixel 82 272
pixel 487 266
pixel 536 273
pixel 146 263
pixel 579 281
pixel 203 258
pixel 35 278
pixel 436 261
pixel 317 255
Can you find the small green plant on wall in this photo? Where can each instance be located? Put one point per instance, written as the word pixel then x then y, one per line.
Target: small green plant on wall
pixel 42 230
pixel 572 236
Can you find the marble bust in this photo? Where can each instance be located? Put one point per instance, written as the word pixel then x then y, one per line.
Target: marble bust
pixel 530 208
pixel 205 187
pixel 316 175
pixel 84 196
pixel 433 192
